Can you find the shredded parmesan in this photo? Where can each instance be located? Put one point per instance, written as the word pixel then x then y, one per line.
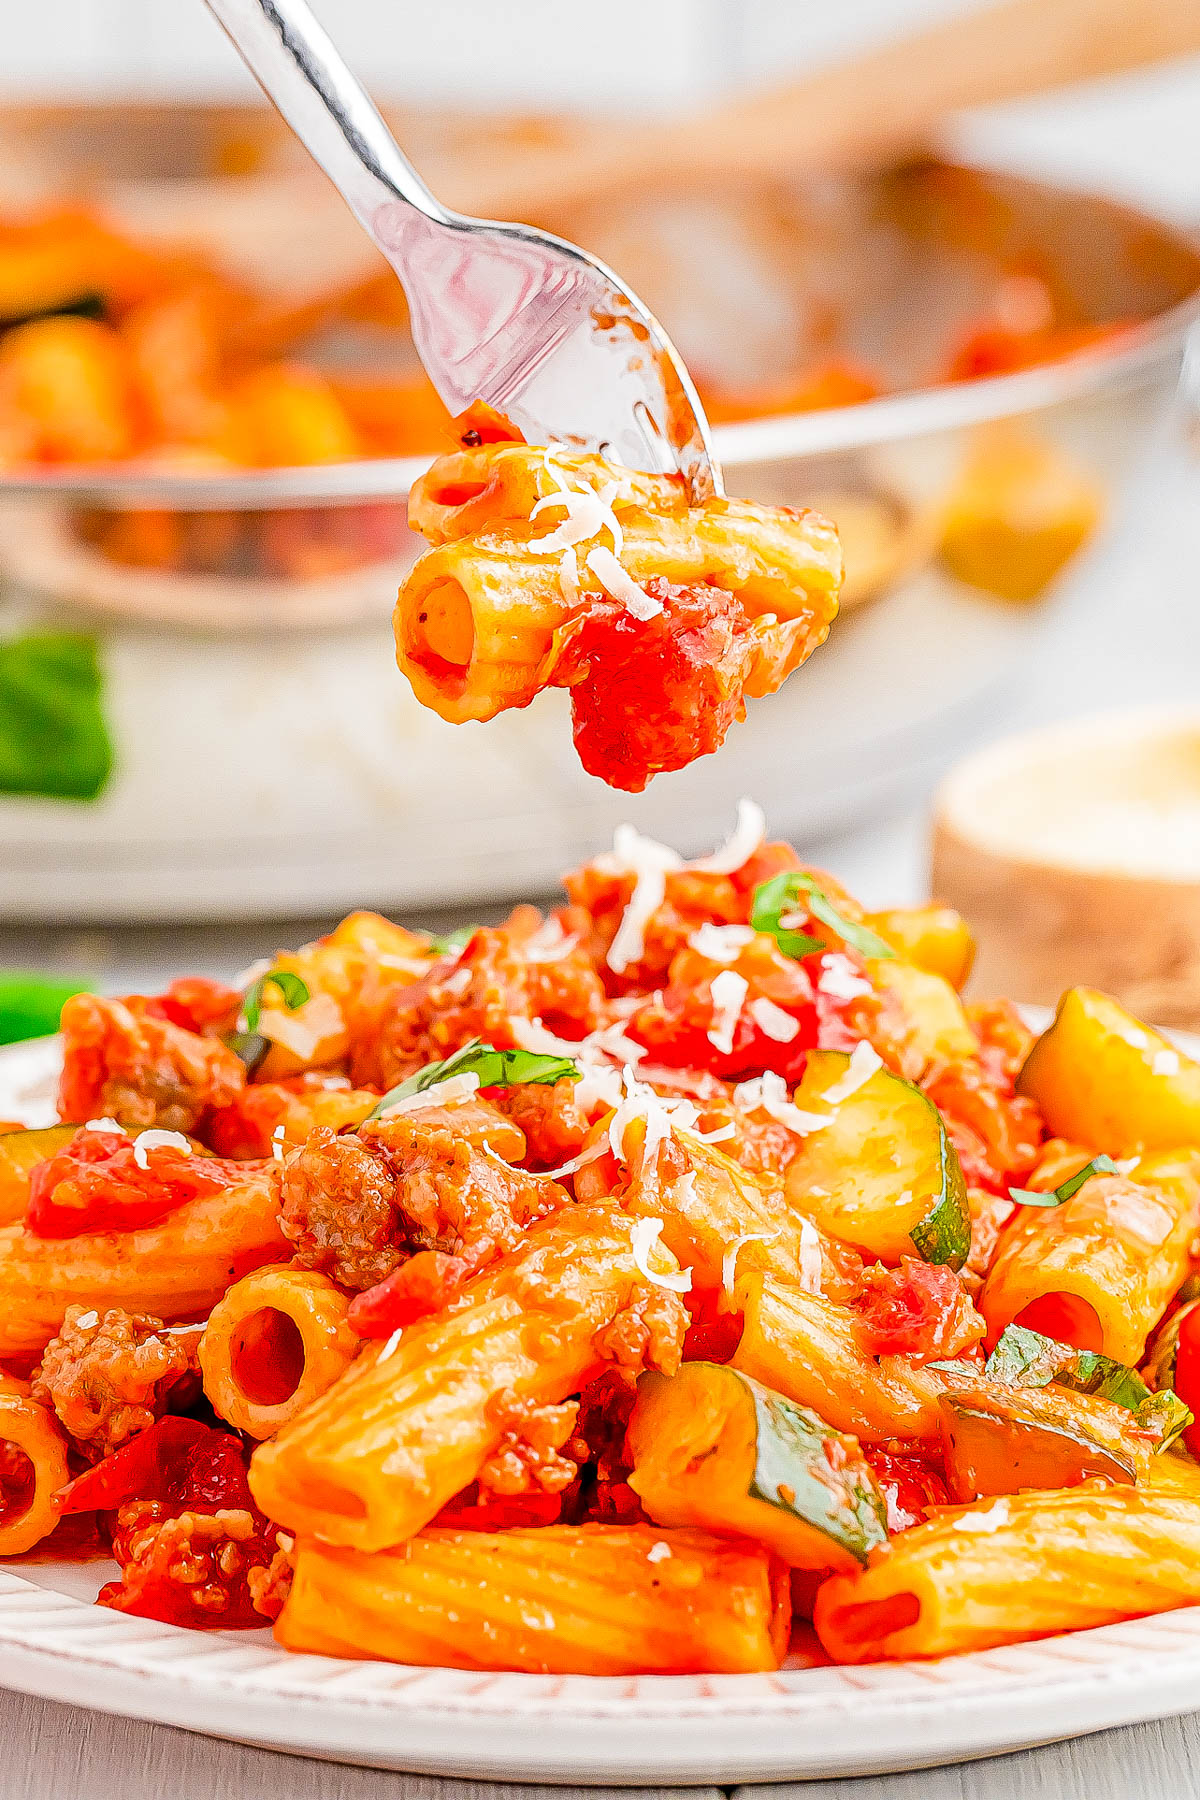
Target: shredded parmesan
pixel 277 1143
pixel 721 943
pixel 768 1093
pixel 549 943
pixel 729 990
pixel 729 1260
pixel 254 973
pixel 304 1028
pixel 646 1233
pixel 458 983
pixel 840 980
pixel 747 837
pixel 1127 1164
pixel 86 1321
pixel 660 1117
pixel 683 1193
pixel 103 1125
pixel 610 1040
pixel 1165 1062
pixel 568 578
pixel 649 863
pixel 439 1093
pixel 158 1140
pixel 616 581
pixel 992 1518
pixel 587 515
pixel 390 1347
pixel 592 1154
pixel 658 1552
pixel 812 1263
pixel 864 1061
pixel 773 1022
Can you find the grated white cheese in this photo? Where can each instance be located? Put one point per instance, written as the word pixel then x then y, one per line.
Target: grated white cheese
pixel 747 837
pixel 619 583
pixel 721 943
pixel 649 863
pixel 658 1552
pixel 88 1321
pixel 839 978
pixel 440 1093
pixel 683 1193
pixel 812 1263
pixel 768 1093
pixel 390 1347
pixel 592 1154
pixel 646 1233
pixel 277 1143
pixel 158 1140
pixel 992 1518
pixel 660 1118
pixel 458 983
pixel 773 1022
pixel 610 1040
pixel 729 1260
pixel 1127 1164
pixel 729 990
pixel 587 515
pixel 254 973
pixel 568 578
pixel 1165 1062
pixel 864 1061
pixel 549 943
pixel 103 1125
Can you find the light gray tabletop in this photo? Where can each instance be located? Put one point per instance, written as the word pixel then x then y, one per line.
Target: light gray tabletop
pixel 54 1752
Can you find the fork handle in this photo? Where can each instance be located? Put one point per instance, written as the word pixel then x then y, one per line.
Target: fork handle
pixel 298 68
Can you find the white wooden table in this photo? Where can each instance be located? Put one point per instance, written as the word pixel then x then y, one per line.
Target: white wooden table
pixel 53 1752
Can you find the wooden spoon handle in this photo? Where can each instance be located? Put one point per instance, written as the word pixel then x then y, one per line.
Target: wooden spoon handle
pixel 866 111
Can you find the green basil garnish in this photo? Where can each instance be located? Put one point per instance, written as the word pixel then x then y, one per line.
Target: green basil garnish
pixel 30 1005
pixel 1099 1165
pixel 53 736
pixel 1165 1413
pixel 495 1068
pixel 453 940
pixel 1025 1358
pixel 783 893
pixel 246 1041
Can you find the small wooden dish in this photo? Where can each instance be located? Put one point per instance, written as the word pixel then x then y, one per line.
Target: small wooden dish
pixel 1074 854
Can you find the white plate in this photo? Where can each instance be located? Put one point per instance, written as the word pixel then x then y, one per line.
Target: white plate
pixel 649 1729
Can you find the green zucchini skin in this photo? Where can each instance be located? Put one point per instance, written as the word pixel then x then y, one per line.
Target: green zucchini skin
pixel 792 1472
pixel 944 1234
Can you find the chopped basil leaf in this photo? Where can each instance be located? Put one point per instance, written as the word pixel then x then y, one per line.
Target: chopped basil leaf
pixel 30 1004
pixel 958 1366
pixel 1099 1165
pixel 246 1041
pixel 495 1068
pixel 53 737
pixel 1166 1414
pixel 453 940
pixel 1025 1358
pixel 783 893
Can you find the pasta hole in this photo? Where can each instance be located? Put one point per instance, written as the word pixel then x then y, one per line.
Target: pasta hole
pixel 266 1357
pixel 327 1496
pixel 18 1482
pixel 458 493
pixel 873 1620
pixel 444 629
pixel 1066 1318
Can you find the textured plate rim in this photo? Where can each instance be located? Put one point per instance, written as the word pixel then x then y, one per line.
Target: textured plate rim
pixel 798 1723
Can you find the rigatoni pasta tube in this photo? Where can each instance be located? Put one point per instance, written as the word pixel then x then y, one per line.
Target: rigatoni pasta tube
pixel 479 621
pixel 497 484
pixel 273 1345
pixel 1099 1270
pixel 562 1600
pixel 177 1269
pixel 33 1471
pixel 412 1422
pixel 807 1347
pixel 1019 1567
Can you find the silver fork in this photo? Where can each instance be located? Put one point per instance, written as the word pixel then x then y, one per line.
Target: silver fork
pixel 503 313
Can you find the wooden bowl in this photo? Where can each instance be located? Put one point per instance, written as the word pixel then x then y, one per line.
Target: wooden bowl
pixel 1074 853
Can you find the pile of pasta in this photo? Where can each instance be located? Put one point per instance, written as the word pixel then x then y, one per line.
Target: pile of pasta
pixel 620 1290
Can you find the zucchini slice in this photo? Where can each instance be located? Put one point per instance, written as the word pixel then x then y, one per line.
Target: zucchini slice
pixel 999 1441
pixel 20 1152
pixel 939 1028
pixel 883 1174
pixel 1101 1077
pixel 714 1448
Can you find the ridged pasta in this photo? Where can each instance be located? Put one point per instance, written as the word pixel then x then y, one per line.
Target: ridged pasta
pixel 273 1345
pixel 1110 1258
pixel 177 1269
pixel 588 1600
pixel 500 484
pixel 1019 1567
pixel 33 1471
pixel 412 1421
pixel 806 1347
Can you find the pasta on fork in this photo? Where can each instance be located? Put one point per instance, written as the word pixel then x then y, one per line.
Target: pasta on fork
pixel 604 1293
pixel 552 568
